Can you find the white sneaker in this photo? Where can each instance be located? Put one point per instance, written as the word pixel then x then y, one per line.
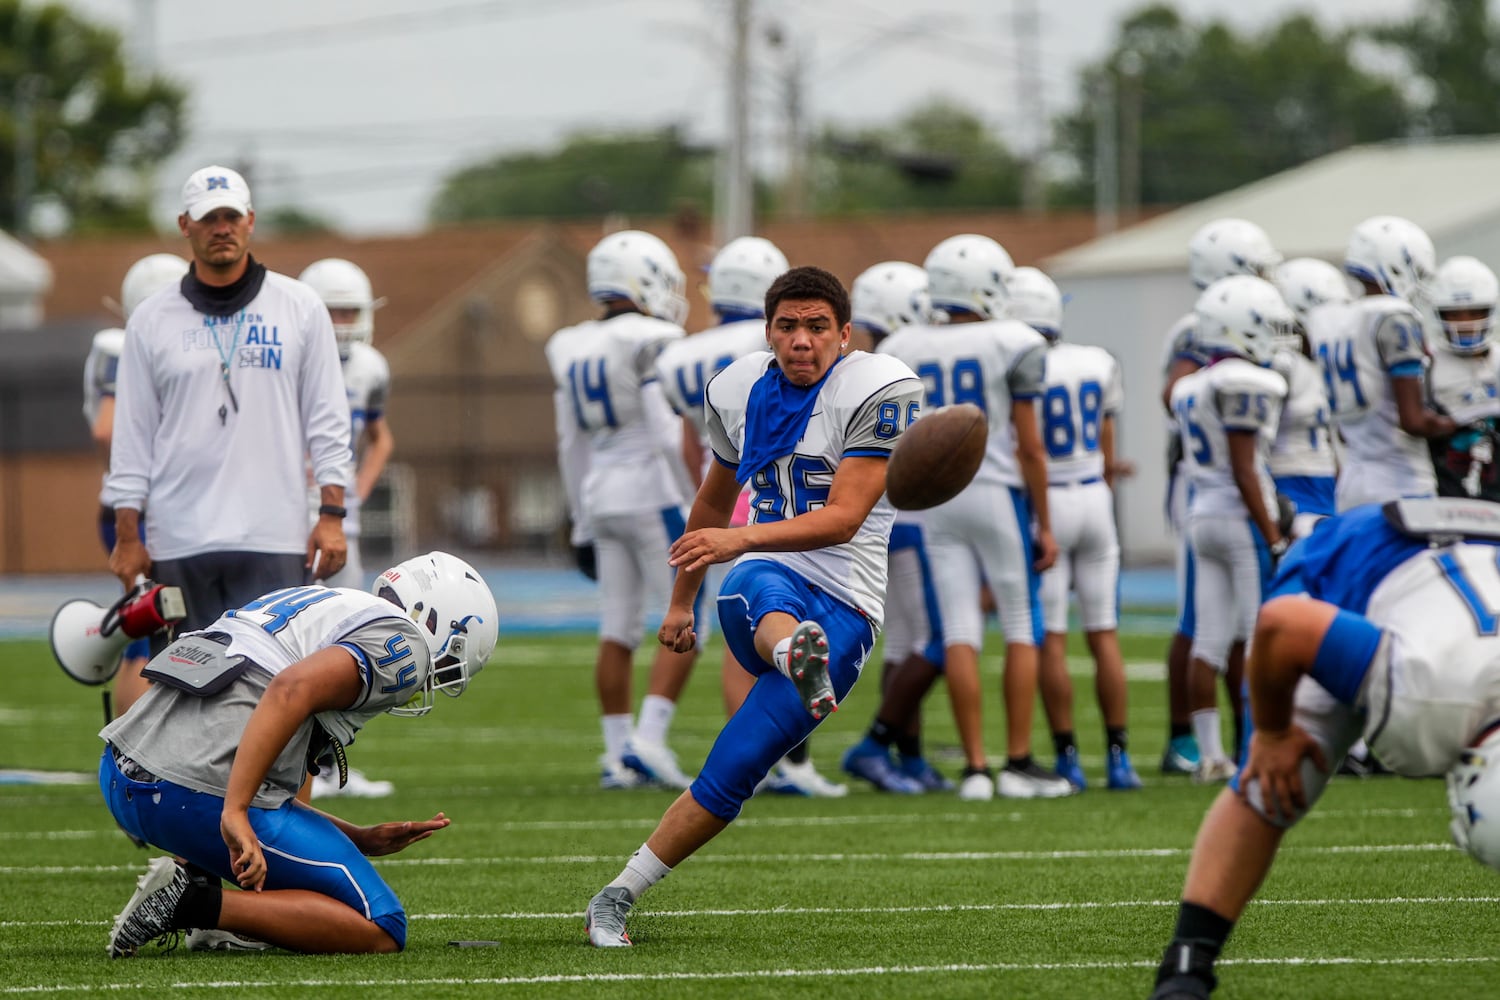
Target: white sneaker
pixel 654 762
pixel 213 940
pixel 977 787
pixel 803 779
pixel 1032 782
pixel 326 786
pixel 614 775
pixel 1211 771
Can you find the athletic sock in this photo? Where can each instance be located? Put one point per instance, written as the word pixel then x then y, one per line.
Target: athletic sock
pixel 642 871
pixel 1063 742
pixel 655 718
pixel 798 754
pixel 1196 943
pixel 616 735
pixel 1116 738
pixel 909 746
pixel 199 907
pixel 1019 763
pixel 882 733
pixel 1181 729
pixel 781 655
pixel 1206 728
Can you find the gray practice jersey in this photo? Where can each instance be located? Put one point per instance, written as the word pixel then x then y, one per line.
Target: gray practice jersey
pixel 191 740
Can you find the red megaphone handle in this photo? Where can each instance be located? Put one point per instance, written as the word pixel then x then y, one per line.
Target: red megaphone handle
pixel 111 620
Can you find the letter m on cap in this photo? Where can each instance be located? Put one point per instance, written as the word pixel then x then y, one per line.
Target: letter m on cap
pixel 218 183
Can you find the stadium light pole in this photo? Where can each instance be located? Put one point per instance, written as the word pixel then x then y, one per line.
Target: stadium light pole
pixel 734 194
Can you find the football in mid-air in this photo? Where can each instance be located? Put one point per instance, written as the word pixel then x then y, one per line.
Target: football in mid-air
pixel 936 457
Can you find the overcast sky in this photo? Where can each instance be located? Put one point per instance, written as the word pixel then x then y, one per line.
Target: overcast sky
pixel 356 111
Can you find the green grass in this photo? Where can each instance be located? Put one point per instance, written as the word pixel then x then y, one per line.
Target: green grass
pixel 868 896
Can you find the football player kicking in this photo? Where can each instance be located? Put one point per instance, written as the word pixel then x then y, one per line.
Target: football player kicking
pixel 1387 629
pixel 207 763
pixel 809 426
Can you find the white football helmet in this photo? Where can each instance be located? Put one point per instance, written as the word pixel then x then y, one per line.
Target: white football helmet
pixel 740 274
pixel 641 269
pixel 1035 300
pixel 1242 315
pixel 1394 254
pixel 889 296
pixel 1474 797
pixel 455 612
pixel 1306 283
pixel 342 284
pixel 1464 283
pixel 968 272
pixel 148 276
pixel 1230 246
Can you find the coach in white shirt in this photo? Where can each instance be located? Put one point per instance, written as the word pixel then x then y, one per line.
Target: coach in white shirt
pixel 227 383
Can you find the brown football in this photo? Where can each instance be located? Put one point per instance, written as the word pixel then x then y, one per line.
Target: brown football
pixel 936 457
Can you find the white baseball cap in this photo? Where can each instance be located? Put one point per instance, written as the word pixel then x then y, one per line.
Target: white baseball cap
pixel 215 187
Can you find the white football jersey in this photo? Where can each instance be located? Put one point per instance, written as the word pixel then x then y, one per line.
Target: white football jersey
pixel 1465 386
pixel 1361 346
pixel 1442 678
pixel 685 366
pixel 367 383
pixel 100 369
pixel 1082 387
pixel 1303 445
pixel 864 406
pixel 607 396
pixel 989 364
pixel 1230 395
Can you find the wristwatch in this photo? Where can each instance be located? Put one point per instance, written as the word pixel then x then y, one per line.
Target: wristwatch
pixel 333 510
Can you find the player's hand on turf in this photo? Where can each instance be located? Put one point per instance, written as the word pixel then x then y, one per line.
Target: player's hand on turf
pixel 1276 762
pixel 245 858
pixel 1046 551
pixel 676 632
pixel 328 545
pixel 702 548
pixel 388 838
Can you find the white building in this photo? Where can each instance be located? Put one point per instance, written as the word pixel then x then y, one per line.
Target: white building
pixel 24 279
pixel 1126 289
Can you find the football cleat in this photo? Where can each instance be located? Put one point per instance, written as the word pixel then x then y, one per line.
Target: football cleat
pixel 872 763
pixel 148 914
pixel 614 775
pixel 326 786
pixel 1211 772
pixel 1180 756
pixel 1070 769
pixel 929 777
pixel 654 763
pixel 1120 776
pixel 803 779
pixel 202 939
pixel 807 665
pixel 978 785
pixel 605 918
pixel 1031 782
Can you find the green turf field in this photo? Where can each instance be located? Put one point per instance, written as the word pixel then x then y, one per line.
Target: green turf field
pixel 868 896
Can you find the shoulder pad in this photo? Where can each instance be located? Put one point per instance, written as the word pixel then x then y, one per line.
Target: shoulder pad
pixel 1444 520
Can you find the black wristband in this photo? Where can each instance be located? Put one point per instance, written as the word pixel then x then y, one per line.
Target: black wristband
pixel 333 510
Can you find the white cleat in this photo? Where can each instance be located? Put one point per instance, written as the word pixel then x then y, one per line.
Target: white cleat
pixel 1031 782
pixel 214 940
pixel 325 785
pixel 787 778
pixel 614 775
pixel 977 787
pixel 1211 771
pixel 605 918
pixel 655 763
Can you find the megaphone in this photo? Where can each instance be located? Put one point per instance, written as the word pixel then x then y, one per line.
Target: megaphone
pixel 87 640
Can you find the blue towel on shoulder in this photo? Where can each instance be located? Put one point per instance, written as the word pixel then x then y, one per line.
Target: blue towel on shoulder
pixel 776 417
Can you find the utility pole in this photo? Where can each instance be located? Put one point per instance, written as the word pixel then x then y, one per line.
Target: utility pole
pixel 1026 30
pixel 1106 155
pixel 793 95
pixel 1131 65
pixel 734 194
pixel 28 89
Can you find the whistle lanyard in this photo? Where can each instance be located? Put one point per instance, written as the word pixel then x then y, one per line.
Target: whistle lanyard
pixel 224 357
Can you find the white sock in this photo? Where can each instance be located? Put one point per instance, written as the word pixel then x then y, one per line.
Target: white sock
pixel 781 656
pixel 616 735
pixel 655 718
pixel 1206 729
pixel 642 871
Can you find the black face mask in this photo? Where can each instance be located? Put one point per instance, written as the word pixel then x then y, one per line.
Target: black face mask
pixel 224 300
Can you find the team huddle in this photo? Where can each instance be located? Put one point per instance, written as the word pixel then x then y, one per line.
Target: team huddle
pixel 1331 447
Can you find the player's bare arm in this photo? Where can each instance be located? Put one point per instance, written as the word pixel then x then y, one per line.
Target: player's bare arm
pixel 129 558
pixel 326 546
pixel 1033 461
pixel 713 508
pixel 328 679
pixel 1242 467
pixel 379 445
pixel 1288 633
pixel 1412 412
